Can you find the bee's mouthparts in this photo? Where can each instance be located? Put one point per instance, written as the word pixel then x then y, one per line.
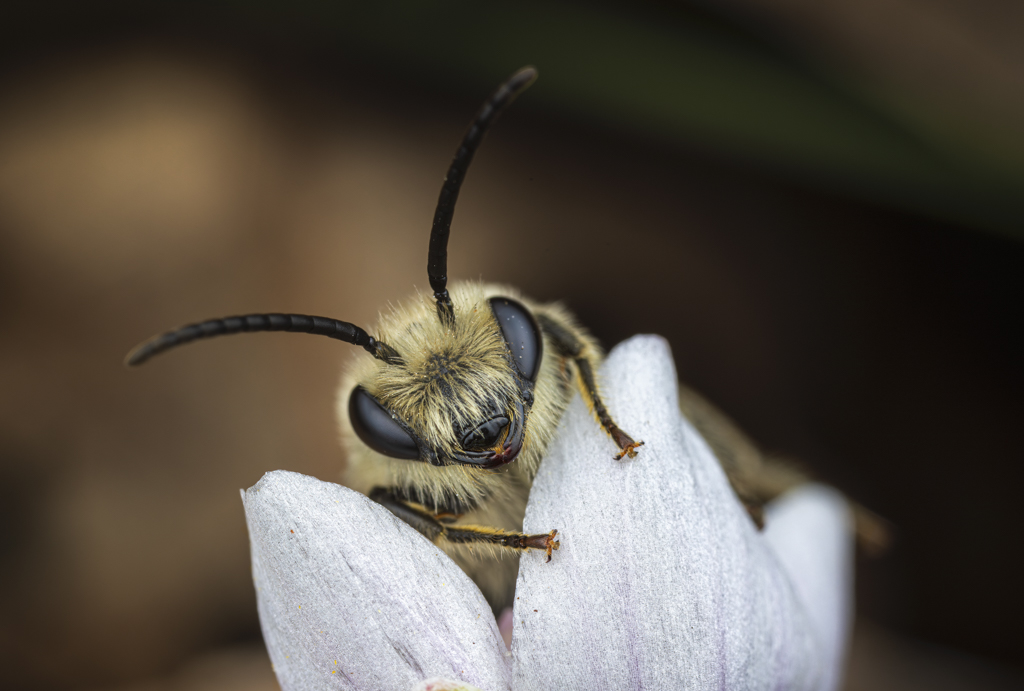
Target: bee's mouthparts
pixel 496 457
pixel 507 454
pixel 511 448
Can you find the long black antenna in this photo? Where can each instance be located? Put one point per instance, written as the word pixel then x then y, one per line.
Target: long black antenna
pixel 437 258
pixel 321 326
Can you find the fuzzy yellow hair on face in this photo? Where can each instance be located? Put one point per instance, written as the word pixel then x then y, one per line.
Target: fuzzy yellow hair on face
pixel 451 376
pixel 451 379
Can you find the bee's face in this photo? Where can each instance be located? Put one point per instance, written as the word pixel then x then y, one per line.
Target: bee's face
pixel 465 395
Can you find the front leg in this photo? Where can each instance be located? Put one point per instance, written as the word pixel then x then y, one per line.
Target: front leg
pixel 569 345
pixel 463 534
pixel 432 527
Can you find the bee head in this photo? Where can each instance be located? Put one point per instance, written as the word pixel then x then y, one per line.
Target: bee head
pixel 463 393
pixel 462 388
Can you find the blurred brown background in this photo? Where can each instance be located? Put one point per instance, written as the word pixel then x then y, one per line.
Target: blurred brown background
pixel 820 204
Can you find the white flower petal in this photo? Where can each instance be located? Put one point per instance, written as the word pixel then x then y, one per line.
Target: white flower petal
pixel 442 684
pixel 351 597
pixel 662 581
pixel 810 529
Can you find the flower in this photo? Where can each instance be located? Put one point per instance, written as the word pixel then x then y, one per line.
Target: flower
pixel 662 581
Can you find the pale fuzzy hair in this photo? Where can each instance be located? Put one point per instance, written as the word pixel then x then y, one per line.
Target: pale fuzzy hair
pixel 477 356
pixel 450 375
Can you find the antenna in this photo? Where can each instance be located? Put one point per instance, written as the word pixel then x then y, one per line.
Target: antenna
pixel 321 326
pixel 437 257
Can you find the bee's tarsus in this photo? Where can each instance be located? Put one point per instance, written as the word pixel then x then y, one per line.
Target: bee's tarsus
pixel 629 450
pixel 544 541
pixel 552 544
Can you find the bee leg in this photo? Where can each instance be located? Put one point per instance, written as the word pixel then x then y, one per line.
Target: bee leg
pixel 423 521
pixel 756 513
pixel 622 440
pixel 433 529
pixel 568 345
pixel 501 538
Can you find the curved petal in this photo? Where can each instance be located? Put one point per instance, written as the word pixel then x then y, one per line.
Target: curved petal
pixel 661 581
pixel 811 531
pixel 351 597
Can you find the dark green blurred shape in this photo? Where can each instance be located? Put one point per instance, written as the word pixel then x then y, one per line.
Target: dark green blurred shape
pixel 677 76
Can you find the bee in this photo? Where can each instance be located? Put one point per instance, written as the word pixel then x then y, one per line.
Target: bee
pixel 447 422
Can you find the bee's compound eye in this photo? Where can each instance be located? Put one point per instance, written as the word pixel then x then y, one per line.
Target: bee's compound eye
pixel 521 334
pixel 378 429
pixel 485 436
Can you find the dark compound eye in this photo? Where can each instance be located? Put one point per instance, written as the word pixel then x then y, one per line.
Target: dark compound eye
pixel 378 429
pixel 485 436
pixel 521 334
